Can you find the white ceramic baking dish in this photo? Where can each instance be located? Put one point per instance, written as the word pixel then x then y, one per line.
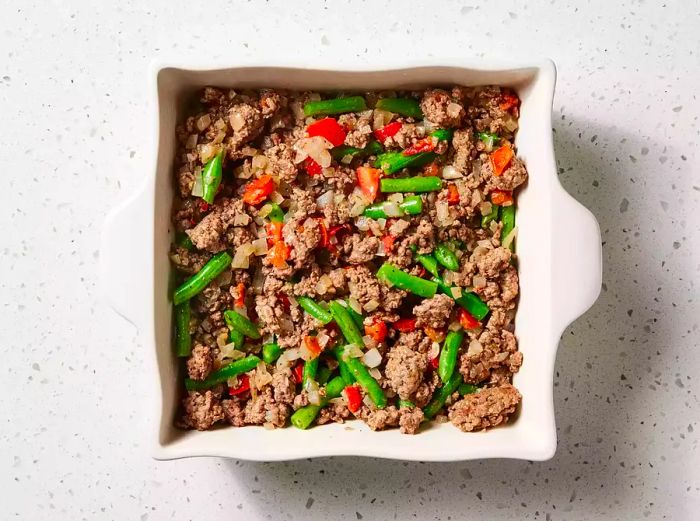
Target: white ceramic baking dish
pixel 558 247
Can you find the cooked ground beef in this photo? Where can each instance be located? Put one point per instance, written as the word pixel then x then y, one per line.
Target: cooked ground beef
pixel 325 249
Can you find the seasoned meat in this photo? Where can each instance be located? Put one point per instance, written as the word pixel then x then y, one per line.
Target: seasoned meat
pixel 441 109
pixel 202 410
pixel 434 312
pixel 200 363
pixel 486 408
pixel 404 370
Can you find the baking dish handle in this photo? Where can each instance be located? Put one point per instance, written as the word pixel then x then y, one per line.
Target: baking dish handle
pixel 578 264
pixel 124 235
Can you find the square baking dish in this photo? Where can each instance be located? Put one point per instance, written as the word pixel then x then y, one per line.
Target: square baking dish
pixel 559 260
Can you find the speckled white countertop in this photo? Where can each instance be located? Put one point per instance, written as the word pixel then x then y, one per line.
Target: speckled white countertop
pixel 74 410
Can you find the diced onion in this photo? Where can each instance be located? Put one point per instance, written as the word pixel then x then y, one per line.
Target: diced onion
pixel 454 326
pixel 479 281
pixel 443 212
pixel 260 246
pixel 208 151
pixel 475 348
pixel 396 198
pixel 313 392
pixel 352 351
pixel 372 358
pixel 241 258
pixel 357 208
pixel 259 162
pixel 485 208
pixel 450 172
pixel 362 223
pixel 276 197
pixel 325 199
pixel 355 305
pixel 510 237
pixel 324 284
pixel 371 305
pixel 287 357
pixel 197 189
pixel 392 209
pixel 322 339
pixel 434 350
pixel 456 292
pixel 203 122
pixel 375 373
pixel 191 142
pixel 453 109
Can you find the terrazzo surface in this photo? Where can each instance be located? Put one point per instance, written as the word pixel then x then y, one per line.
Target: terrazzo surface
pixel 75 407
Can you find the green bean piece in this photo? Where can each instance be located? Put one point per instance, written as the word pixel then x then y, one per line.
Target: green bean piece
pixel 202 278
pixel 183 241
pixel 346 324
pixel 411 205
pixel 234 320
pixel 373 148
pixel 429 262
pixel 356 317
pixel 367 382
pixel 237 338
pixel 465 389
pixel 448 354
pixel 445 256
pixel 491 216
pixel 489 140
pixel 416 184
pixel 183 337
pixel 391 275
pixel 335 106
pixel 404 106
pixel 392 162
pixel 443 134
pixel 508 220
pixel 315 309
pixel 241 366
pixel 309 372
pixel 276 215
pixel 271 352
pixel 211 177
pixel 469 301
pixel 345 373
pixel 406 403
pixel 441 395
pixel 304 416
pixel 323 375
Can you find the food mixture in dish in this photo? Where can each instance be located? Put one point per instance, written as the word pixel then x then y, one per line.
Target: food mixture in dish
pixel 346 256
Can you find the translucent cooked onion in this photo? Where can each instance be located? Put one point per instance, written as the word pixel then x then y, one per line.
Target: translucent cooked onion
pixel 259 162
pixel 357 208
pixel 510 237
pixel 203 122
pixel 381 118
pixel 236 120
pixel 323 339
pixel 314 395
pixel 317 148
pixel 434 350
pixel 381 251
pixel 453 109
pixel 485 208
pixel 265 210
pixel 260 246
pixel 362 223
pixel 262 376
pixel 241 259
pixel 371 305
pixel 454 326
pixel 197 189
pixel 443 213
pixel 276 197
pixel 355 305
pixel 510 122
pixel 396 198
pixel 456 292
pixel 258 281
pixel 475 348
pixel 450 172
pixel 220 124
pixel 479 281
pixel 191 142
pixel 325 199
pixel 372 358
pixel 375 373
pixel 352 351
pixel 324 284
pixel 448 277
pixel 207 152
pixel 392 209
pixel 287 357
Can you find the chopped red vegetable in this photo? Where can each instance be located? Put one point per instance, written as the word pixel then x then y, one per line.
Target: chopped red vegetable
pixel 353 397
pixel 434 362
pixel 431 170
pixel 312 345
pixel 421 272
pixel 502 197
pixel 328 128
pixel 508 101
pixel 279 254
pixel 312 167
pixel 500 159
pixel 243 385
pixel 388 130
pixel 405 325
pixel 388 241
pixel 258 190
pixel 377 330
pixel 452 195
pixel 427 144
pixel 436 335
pixel 203 206
pixel 467 320
pixel 240 300
pixel 339 229
pixel 298 372
pixel 324 232
pixel 284 299
pixel 368 181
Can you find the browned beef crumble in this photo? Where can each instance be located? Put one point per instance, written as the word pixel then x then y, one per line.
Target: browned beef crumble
pixel 334 253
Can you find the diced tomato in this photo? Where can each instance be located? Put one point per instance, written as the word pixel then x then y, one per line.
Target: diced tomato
pixel 502 197
pixel 240 300
pixel 353 397
pixel 405 325
pixel 508 101
pixel 434 363
pixel 388 241
pixel 467 320
pixel 284 299
pixel 243 385
pixel 324 232
pixel 336 230
pixel 500 159
pixel 388 130
pixel 298 372
pixel 377 330
pixel 421 271
pixel 203 206
pixel 279 254
pixel 328 128
pixel 312 167
pixel 258 190
pixel 452 194
pixel 312 345
pixel 368 181
pixel 427 144
pixel 431 170
pixel 274 233
pixel 436 335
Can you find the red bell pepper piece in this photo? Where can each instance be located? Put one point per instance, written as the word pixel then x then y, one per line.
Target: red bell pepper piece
pixel 312 167
pixel 203 206
pixel 388 241
pixel 298 371
pixel 452 195
pixel 274 232
pixel 500 159
pixel 502 197
pixel 377 330
pixel 436 335
pixel 324 233
pixel 467 320
pixel 243 385
pixel 388 131
pixel 405 325
pixel 368 181
pixel 508 101
pixel 240 300
pixel 427 144
pixel 312 345
pixel 328 128
pixel 258 190
pixel 337 230
pixel 284 299
pixel 434 363
pixel 353 397
pixel 279 254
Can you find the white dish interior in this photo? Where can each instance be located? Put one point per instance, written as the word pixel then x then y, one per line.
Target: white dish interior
pixel 558 249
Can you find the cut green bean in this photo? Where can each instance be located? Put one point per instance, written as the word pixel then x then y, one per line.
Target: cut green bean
pixel 346 324
pixel 441 395
pixel 392 162
pixel 234 320
pixel 508 220
pixel 469 301
pixel 309 372
pixel 335 106
pixel 183 240
pixel 220 376
pixel 183 337
pixel 406 403
pixel 315 309
pixel 404 106
pixel 448 354
pixel 373 148
pixel 356 317
pixel 323 375
pixel 465 389
pixel 443 134
pixel 429 262
pixel 271 352
pixel 491 216
pixel 195 284
pixel 411 205
pixel 416 184
pixel 367 382
pixel 211 177
pixel 445 256
pixel 304 416
pixel 237 338
pixel 391 275
pixel 489 140
pixel 345 373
